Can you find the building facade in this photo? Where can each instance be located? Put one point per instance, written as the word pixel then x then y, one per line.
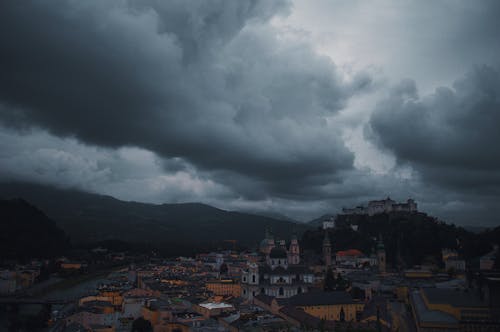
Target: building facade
pixel 382 206
pixel 279 274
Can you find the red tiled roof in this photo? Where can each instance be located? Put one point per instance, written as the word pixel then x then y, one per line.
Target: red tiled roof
pixel 350 252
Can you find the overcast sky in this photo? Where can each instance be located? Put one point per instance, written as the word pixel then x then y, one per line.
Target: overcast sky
pixel 290 107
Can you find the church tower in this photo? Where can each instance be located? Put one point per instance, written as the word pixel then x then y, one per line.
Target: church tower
pixel 381 255
pixel 327 250
pixel 294 251
pixel 267 244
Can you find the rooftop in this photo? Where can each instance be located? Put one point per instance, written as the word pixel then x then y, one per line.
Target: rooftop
pixel 431 316
pixel 321 298
pixel 278 253
pixel 454 297
pixel 349 252
pixel 215 305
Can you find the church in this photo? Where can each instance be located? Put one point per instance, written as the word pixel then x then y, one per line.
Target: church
pixel 279 274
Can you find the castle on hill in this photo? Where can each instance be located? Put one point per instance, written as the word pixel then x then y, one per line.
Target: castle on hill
pixel 382 206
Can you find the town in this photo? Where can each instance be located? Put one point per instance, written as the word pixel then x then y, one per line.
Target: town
pixel 275 286
pixel 249 165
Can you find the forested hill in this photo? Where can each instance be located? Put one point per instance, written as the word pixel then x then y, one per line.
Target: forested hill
pixel 409 238
pixel 27 232
pixel 88 217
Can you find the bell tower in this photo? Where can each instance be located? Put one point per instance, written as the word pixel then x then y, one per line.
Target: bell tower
pixel 294 251
pixel 381 259
pixel 327 250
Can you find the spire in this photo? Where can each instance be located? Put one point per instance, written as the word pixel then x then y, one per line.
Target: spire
pixel 326 240
pixel 294 234
pixel 380 243
pixel 269 233
pixel 327 250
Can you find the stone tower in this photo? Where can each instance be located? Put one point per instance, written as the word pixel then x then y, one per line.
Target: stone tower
pixel 327 250
pixel 267 244
pixel 294 251
pixel 381 259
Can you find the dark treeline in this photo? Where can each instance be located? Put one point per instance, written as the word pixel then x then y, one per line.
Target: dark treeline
pixel 409 239
pixel 26 232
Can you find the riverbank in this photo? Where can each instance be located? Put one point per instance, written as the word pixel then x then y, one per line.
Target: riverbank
pixel 83 283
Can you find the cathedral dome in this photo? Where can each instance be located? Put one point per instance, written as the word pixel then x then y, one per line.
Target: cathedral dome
pixel 278 253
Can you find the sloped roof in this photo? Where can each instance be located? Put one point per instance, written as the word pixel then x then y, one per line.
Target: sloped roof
pixel 322 298
pixel 266 299
pixel 425 314
pixel 456 298
pixel 278 253
pixel 349 252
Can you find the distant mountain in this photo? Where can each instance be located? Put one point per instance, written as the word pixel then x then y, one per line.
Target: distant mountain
pixel 275 215
pixel 27 232
pixel 90 217
pixel 475 229
pixel 318 222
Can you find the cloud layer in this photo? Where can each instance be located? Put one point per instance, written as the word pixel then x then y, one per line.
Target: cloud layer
pixel 449 136
pixel 211 83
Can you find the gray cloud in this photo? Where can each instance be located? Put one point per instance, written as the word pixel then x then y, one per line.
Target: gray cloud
pixel 211 83
pixel 449 136
pixel 126 173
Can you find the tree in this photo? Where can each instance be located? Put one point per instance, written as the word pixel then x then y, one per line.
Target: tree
pixel 142 325
pixel 330 283
pixel 223 269
pixel 341 284
pixel 497 261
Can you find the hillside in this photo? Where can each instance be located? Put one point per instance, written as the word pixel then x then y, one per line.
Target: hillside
pixel 409 238
pixel 90 217
pixel 318 222
pixel 28 233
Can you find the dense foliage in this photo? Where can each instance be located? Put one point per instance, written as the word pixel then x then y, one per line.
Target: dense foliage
pixel 28 233
pixel 409 238
pixel 92 218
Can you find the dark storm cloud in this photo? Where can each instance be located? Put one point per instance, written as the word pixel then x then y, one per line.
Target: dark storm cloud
pixel 450 136
pixel 211 83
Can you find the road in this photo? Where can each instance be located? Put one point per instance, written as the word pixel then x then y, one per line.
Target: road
pixel 402 317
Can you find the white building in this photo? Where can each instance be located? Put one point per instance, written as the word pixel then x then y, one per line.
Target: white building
pixel 382 206
pixel 487 261
pixel 280 275
pixel 329 223
pixel 7 282
pixel 455 264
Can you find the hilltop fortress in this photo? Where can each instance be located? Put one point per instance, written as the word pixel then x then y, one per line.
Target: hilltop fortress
pixel 382 206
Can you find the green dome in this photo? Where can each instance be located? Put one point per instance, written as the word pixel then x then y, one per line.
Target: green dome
pixel 278 253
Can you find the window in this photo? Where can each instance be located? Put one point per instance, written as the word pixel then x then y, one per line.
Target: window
pixel 342 314
pixel 253 278
pixel 281 291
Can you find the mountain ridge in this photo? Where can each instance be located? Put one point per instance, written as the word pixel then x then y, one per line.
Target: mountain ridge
pixel 89 217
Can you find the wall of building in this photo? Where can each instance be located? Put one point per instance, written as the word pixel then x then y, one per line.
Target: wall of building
pixel 332 312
